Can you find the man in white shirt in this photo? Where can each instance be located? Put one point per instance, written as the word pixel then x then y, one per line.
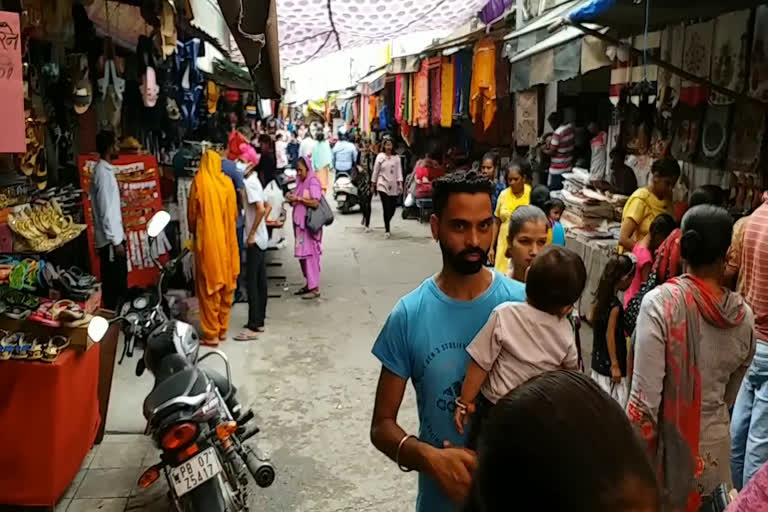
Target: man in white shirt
pixel 108 233
pixel 307 145
pixel 256 213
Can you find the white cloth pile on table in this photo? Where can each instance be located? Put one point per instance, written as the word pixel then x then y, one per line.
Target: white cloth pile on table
pixel 593 214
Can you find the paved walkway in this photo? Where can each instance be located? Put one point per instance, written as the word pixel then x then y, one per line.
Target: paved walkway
pixel 310 379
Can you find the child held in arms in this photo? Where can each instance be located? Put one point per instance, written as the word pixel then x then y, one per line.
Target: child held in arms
pixel 523 340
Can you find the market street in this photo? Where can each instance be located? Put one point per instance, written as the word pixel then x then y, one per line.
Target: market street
pixel 310 379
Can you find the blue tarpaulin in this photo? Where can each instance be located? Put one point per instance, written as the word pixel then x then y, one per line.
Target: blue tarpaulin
pixel 588 11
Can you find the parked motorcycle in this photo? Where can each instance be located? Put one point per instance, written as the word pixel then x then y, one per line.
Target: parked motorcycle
pixel 192 412
pixel 345 192
pixel 287 180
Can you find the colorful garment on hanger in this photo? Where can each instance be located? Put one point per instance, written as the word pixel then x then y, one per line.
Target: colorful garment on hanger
pixel 729 58
pixel 482 106
pixel 758 69
pixel 399 98
pixel 410 99
pixel 421 99
pixel 373 108
pixel 447 81
pixel 697 61
pixel 434 95
pixel 463 81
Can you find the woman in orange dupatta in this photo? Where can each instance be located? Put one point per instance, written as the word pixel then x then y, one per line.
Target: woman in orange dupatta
pixel 212 216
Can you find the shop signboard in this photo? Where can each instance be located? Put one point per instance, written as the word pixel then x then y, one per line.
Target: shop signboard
pixel 12 130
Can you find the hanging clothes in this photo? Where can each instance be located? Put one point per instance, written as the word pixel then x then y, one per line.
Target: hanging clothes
pixel 434 94
pixel 422 95
pixel 411 99
pixel 447 81
pixel 399 107
pixel 373 109
pixel 482 107
pixel 463 81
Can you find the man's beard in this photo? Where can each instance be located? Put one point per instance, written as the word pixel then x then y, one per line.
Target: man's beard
pixel 459 261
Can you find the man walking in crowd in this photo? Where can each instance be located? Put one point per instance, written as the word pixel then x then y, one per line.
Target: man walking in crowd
pixel 560 149
pixel 425 339
pixel 344 154
pixel 257 239
pixel 749 422
pixel 307 142
pixel 108 233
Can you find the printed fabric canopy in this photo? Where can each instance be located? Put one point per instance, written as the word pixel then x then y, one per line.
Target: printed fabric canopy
pixel 313 28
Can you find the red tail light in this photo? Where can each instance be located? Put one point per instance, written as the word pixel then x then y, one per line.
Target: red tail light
pixel 179 435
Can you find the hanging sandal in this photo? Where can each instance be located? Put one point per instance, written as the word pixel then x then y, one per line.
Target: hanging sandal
pixel 35 350
pixel 21 350
pixel 54 347
pixel 7 346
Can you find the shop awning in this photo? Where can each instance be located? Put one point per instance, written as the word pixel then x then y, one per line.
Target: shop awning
pixel 627 17
pixel 374 81
pixel 406 64
pixel 539 56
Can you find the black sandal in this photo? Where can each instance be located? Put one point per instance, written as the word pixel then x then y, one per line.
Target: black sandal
pixel 303 291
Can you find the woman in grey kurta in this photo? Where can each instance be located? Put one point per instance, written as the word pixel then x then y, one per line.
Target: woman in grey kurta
pixel 692 347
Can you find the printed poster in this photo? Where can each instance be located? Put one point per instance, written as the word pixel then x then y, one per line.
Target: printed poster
pixel 12 130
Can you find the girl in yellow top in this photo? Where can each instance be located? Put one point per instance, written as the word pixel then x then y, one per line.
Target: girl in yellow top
pixel 517 193
pixel 646 203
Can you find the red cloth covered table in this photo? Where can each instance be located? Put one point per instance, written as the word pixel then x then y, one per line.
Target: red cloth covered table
pixel 49 415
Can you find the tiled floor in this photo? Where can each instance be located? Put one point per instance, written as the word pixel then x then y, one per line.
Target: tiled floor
pixel 107 480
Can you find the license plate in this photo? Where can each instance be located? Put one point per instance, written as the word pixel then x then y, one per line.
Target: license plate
pixel 341 197
pixel 195 471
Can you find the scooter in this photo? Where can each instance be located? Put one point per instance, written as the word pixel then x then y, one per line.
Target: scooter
pixel 192 413
pixel 345 192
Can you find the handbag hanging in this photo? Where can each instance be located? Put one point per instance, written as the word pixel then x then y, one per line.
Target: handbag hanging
pixel 319 217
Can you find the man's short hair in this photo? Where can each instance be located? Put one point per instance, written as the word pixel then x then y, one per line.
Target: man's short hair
pixel 105 141
pixel 666 168
pixel 459 182
pixel 556 279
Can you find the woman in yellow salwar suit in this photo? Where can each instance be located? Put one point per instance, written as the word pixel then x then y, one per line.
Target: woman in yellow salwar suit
pixel 212 215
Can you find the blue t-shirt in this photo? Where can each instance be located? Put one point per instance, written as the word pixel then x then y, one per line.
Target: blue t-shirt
pixel 558 234
pixel 425 340
pixel 229 168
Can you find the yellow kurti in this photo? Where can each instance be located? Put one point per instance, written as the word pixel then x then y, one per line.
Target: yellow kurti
pixel 642 207
pixel 505 207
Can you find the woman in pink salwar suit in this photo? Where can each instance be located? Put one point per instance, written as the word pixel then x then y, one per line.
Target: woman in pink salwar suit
pixel 309 245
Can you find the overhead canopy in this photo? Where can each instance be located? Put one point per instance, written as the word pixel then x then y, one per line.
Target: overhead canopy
pixel 313 28
pixel 627 17
pixel 253 26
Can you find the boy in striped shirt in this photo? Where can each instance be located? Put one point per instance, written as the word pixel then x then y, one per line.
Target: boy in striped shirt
pixel 560 149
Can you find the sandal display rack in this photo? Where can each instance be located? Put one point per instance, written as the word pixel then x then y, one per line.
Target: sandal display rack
pixel 139 182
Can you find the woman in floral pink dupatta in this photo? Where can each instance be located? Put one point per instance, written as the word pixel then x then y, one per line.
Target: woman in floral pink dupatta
pixel 693 345
pixel 309 245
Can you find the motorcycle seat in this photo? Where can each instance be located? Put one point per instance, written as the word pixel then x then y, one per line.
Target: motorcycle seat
pixel 188 382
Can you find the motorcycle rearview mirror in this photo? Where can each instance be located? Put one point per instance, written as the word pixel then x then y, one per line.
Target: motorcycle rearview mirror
pixel 97 328
pixel 157 223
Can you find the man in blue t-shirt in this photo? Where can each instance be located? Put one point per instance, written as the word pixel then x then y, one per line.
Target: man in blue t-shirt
pixel 425 340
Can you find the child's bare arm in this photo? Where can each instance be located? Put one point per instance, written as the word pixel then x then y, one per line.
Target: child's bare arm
pixel 472 383
pixel 610 338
